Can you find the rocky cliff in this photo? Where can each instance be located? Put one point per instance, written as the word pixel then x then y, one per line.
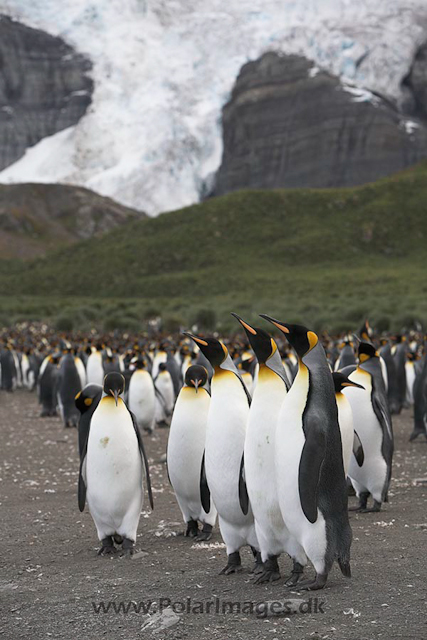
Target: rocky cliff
pixel 44 87
pixel 290 124
pixel 37 217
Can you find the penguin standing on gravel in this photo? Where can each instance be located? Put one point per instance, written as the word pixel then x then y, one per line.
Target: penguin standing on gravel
pixel 69 384
pixel 345 417
pixel 223 462
pixel 186 448
pixel 260 446
pixel 309 466
pixel 142 396
pixel 112 470
pixel 370 475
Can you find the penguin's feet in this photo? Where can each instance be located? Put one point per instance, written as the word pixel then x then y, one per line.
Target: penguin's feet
pixel 414 435
pixel 259 565
pixel 313 585
pixel 127 547
pixel 107 547
pixel 192 529
pixel 270 571
pixel 374 509
pixel 363 501
pixel 234 564
pixel 205 534
pixel 296 575
pixel 117 538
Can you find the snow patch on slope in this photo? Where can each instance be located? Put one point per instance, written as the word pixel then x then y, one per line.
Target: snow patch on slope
pixel 164 68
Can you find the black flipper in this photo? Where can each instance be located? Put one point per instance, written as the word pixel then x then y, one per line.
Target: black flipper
pixel 248 395
pixel 243 492
pixel 81 490
pixel 205 494
pixel 358 450
pixel 144 459
pixel 312 457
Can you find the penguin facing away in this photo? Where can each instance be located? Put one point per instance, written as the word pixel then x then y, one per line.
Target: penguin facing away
pixel 223 462
pixel 420 402
pixel 309 466
pixel 260 445
pixel 185 453
pixel 69 384
pixel 112 468
pixel 372 422
pixel 350 439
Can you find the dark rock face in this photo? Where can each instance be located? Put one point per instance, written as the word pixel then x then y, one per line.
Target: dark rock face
pixel 416 84
pixel 43 88
pixel 37 217
pixel 288 124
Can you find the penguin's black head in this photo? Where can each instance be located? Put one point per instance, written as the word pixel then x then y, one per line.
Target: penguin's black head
pixel 162 366
pixel 114 385
pixel 365 331
pixel 341 382
pixel 260 341
pixel 86 397
pixel 196 376
pixel 300 338
pixel 212 348
pixel 139 362
pixel 366 351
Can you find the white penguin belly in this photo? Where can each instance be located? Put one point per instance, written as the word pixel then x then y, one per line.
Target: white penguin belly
pixel 186 446
pixel 371 476
pixel 114 471
pixel 290 440
pixel 142 398
pixel 95 370
pixel 225 438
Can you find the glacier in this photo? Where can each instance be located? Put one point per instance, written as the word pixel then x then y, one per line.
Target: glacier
pixel 163 69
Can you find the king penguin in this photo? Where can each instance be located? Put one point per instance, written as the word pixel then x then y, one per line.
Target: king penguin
pixel 371 474
pixel 350 439
pixel 142 397
pixel 112 469
pixel 186 448
pixel 94 367
pixel 260 445
pixel 309 466
pixel 223 462
pixel 86 402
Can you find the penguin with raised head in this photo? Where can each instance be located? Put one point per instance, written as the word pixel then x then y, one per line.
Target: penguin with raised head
pixel 86 402
pixel 349 438
pixel 112 469
pixel 186 448
pixel 142 395
pixel 311 483
pixel 260 446
pixel 223 461
pixel 370 475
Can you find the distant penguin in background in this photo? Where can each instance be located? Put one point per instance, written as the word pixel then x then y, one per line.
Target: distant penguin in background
pixel 86 402
pixel 69 384
pixel 399 356
pixel 345 417
pixel 186 448
pixel 142 395
pixel 223 461
pixel 371 474
pixel 165 396
pixel 420 402
pixel 48 385
pixel 309 465
pixel 410 378
pixel 112 470
pixel 94 367
pixel 392 385
pixel 260 447
pixel 346 357
pixel 8 369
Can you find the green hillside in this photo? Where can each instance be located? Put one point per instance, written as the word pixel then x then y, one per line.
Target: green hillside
pixel 326 257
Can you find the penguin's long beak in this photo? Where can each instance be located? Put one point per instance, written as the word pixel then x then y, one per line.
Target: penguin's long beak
pixel 352 384
pixel 196 384
pixel 116 396
pixel 244 324
pixel 195 338
pixel 276 323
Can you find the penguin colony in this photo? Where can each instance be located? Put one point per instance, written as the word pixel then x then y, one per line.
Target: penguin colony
pixel 266 434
